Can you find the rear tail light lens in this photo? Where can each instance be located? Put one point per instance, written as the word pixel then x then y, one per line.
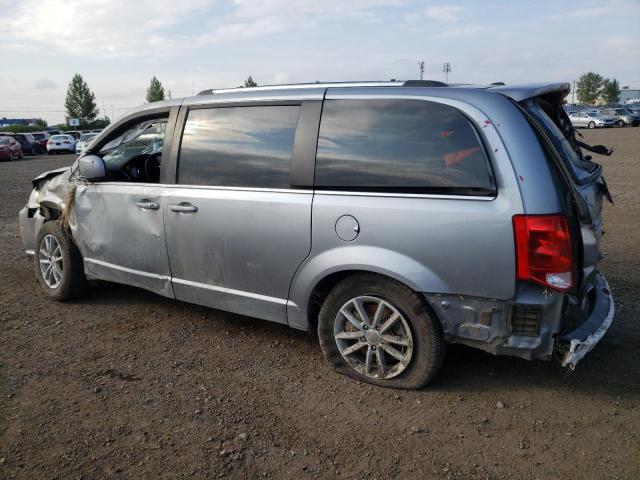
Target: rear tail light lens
pixel 543 250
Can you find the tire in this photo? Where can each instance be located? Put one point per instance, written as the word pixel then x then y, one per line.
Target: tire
pixel 71 281
pixel 424 348
pixel 10 156
pixel 620 123
pixel 592 125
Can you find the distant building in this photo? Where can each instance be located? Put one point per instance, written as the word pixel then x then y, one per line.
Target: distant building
pixel 7 122
pixel 630 95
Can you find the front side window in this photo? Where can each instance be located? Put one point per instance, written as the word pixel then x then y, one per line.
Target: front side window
pixel 412 146
pixel 144 139
pixel 238 146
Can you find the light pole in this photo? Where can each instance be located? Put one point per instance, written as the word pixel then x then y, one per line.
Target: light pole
pixel 421 68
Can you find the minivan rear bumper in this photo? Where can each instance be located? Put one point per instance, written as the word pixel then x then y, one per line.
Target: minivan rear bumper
pixel 582 340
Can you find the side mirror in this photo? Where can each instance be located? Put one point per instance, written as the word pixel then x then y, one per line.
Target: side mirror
pixel 92 167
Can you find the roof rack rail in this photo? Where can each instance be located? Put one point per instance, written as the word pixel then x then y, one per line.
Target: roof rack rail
pixel 424 83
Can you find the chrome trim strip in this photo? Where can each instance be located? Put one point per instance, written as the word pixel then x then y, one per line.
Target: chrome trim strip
pixel 127 270
pixel 30 252
pixel 306 191
pixel 241 293
pixel 402 195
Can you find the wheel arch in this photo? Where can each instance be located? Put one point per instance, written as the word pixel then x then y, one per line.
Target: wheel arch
pixel 321 273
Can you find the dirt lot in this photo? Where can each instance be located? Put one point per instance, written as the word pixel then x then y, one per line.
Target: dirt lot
pixel 127 384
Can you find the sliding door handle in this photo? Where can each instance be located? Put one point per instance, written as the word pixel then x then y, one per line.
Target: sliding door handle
pixel 183 207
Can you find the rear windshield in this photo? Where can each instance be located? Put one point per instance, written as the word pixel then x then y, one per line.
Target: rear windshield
pixel 4 141
pixel 87 136
pixel 557 127
pixel 60 137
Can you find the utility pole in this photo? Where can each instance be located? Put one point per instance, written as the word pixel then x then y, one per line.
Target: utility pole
pixel 446 68
pixel 573 93
pixel 421 68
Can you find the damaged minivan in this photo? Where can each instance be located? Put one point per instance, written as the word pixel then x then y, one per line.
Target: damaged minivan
pixel 390 217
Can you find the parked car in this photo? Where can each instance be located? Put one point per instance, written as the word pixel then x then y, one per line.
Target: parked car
pixel 9 148
pixel 84 141
pixel 75 133
pixel 392 217
pixel 29 144
pixel 61 143
pixel 43 138
pixel 591 119
pixel 622 116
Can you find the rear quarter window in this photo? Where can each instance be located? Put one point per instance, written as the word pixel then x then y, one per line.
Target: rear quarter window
pixel 400 145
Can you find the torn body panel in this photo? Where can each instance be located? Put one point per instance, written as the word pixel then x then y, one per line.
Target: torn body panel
pixel 495 326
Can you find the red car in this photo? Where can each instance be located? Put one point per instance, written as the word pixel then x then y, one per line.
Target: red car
pixel 9 148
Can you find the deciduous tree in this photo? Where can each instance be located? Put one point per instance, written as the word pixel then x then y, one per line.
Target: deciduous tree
pixel 80 102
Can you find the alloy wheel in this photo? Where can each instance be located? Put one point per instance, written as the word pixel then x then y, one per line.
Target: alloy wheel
pixel 50 258
pixel 373 337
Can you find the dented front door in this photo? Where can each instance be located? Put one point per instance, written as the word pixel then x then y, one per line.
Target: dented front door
pixel 120 233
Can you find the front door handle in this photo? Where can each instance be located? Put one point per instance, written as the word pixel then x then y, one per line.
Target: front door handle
pixel 183 207
pixel 145 204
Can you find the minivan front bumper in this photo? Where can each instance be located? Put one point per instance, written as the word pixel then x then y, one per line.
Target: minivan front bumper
pixel 582 340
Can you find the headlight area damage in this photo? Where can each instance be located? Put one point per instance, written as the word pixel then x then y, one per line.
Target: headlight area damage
pixel 48 200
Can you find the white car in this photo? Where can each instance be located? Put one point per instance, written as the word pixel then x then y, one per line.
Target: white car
pixel 61 143
pixel 83 143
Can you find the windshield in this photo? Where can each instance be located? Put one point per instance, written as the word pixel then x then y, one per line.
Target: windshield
pixel 87 136
pixel 143 139
pixel 4 141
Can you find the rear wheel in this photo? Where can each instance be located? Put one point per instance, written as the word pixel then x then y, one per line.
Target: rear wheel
pixel 592 125
pixel 620 123
pixel 381 332
pixel 58 263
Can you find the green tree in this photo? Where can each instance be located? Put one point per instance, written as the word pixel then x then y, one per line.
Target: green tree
pixel 610 92
pixel 588 88
pixel 249 82
pixel 80 102
pixel 155 92
pixel 40 122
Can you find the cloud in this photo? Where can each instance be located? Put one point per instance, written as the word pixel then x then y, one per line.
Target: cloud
pixel 440 13
pixel 122 28
pixel 44 84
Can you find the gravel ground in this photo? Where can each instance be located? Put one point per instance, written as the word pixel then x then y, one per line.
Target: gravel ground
pixel 127 384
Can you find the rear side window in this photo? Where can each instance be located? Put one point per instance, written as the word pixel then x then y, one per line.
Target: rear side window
pixel 238 146
pixel 411 146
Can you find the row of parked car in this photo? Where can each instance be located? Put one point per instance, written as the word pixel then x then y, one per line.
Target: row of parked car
pixel 15 145
pixel 605 117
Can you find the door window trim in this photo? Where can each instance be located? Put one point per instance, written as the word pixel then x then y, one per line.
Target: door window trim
pixel 304 145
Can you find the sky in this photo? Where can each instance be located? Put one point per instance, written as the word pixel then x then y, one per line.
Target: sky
pixel 191 45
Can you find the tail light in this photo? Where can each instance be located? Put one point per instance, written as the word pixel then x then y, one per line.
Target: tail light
pixel 51 141
pixel 543 250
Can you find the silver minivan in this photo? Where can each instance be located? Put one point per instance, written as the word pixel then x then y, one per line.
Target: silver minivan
pixel 390 217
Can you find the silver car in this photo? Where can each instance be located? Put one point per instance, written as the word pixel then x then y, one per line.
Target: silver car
pixel 84 140
pixel 392 218
pixel 622 116
pixel 591 119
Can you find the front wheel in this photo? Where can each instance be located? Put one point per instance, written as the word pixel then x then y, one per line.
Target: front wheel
pixel 381 332
pixel 592 125
pixel 58 263
pixel 620 123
